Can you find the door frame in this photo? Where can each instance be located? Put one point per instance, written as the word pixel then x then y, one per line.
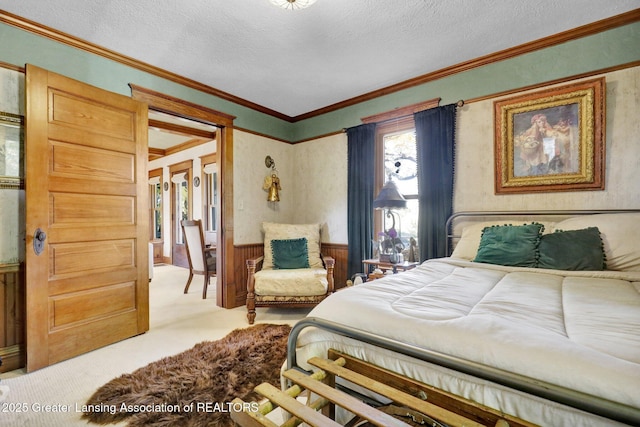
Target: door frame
pixel 227 288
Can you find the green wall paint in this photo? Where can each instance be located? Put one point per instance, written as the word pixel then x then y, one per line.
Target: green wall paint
pixel 25 47
pixel 607 49
pixel 614 47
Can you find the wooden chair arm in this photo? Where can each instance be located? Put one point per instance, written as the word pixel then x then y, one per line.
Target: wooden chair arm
pixel 329 263
pixel 253 262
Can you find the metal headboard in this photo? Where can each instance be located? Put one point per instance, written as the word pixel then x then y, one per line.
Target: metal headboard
pixel 517 215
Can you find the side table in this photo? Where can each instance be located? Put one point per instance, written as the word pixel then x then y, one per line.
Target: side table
pixel 385 266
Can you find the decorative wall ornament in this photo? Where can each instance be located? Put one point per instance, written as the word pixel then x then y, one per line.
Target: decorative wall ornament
pixel 551 140
pixel 271 182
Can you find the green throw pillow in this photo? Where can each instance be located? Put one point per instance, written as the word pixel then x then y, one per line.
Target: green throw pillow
pixel 572 250
pixel 290 253
pixel 512 245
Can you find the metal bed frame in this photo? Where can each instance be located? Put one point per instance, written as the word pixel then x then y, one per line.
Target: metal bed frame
pixel 578 400
pixel 582 401
pixel 511 214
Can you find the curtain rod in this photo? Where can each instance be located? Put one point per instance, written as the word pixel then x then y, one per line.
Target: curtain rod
pixel 459 104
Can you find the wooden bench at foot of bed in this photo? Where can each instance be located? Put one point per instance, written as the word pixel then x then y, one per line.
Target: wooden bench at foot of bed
pixel 418 401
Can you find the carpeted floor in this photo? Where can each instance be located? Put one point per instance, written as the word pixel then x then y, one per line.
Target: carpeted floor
pixel 53 396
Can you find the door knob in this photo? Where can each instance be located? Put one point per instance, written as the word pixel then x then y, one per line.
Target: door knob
pixel 38 241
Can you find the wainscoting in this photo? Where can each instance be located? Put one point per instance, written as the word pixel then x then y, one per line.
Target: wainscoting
pixel 12 297
pixel 244 252
pixel 12 309
pixel 339 253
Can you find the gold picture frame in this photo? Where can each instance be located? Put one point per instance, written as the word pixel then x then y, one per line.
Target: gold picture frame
pixel 11 151
pixel 551 140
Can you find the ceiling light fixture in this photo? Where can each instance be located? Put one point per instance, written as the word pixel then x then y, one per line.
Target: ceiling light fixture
pixel 293 4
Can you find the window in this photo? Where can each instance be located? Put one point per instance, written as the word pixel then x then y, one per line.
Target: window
pixel 155 204
pixel 400 165
pixel 396 157
pixel 181 174
pixel 396 160
pixel 210 196
pixel 181 192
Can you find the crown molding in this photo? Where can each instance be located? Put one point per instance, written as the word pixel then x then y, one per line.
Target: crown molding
pixel 575 33
pixel 69 40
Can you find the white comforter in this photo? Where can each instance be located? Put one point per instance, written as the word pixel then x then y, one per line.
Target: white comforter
pixel 580 330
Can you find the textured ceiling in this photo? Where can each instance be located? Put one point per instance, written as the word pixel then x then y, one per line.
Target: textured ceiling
pixel 295 62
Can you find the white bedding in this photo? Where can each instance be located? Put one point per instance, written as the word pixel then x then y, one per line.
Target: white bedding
pixel 580 330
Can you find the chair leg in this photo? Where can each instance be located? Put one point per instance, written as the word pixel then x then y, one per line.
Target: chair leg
pixel 186 288
pixel 206 284
pixel 251 291
pixel 251 307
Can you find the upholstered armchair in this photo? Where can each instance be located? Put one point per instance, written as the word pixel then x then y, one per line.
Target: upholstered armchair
pixel 292 272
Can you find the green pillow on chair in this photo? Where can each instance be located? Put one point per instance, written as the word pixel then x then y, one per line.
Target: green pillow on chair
pixel 512 245
pixel 290 253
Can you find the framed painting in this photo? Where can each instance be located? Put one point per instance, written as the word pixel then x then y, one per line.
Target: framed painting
pixel 551 140
pixel 11 151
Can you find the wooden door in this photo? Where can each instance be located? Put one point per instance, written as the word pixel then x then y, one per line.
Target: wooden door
pixel 87 191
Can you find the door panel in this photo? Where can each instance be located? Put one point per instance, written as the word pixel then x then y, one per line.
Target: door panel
pixel 96 163
pixel 86 188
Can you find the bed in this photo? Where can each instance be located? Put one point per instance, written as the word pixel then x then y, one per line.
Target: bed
pixel 534 314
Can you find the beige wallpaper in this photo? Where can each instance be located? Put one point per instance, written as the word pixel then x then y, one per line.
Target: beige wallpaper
pixel 251 207
pixel 321 186
pixel 315 177
pixel 12 247
pixel 474 186
pixel 11 91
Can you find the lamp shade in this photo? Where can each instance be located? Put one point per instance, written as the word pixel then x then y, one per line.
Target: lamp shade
pixel 389 197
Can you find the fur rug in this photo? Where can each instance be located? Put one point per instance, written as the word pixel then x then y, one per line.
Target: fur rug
pixel 204 379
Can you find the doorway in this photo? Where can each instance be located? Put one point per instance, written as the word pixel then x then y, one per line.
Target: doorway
pixel 229 294
pixel 178 147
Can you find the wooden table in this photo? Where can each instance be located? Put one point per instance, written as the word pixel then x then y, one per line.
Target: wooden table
pixel 385 266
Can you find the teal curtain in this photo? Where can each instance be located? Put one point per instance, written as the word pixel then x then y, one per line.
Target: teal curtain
pixel 360 173
pixel 435 140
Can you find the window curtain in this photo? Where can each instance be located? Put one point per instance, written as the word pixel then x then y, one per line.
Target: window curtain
pixel 360 173
pixel 435 140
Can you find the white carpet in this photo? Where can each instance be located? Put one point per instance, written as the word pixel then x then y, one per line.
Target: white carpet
pixel 177 323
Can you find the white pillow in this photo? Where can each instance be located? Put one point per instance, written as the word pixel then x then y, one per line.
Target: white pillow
pixel 276 231
pixel 620 234
pixel 467 246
